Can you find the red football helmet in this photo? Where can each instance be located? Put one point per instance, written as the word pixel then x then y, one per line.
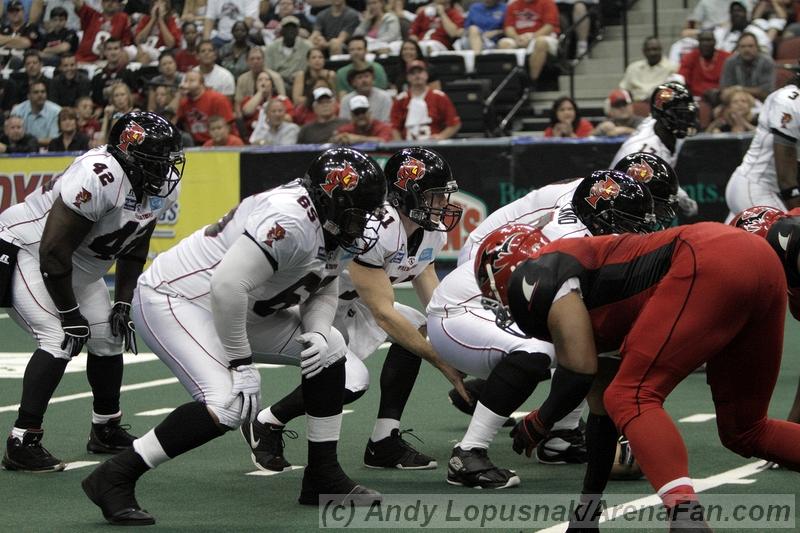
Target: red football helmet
pixel 757 219
pixel 499 254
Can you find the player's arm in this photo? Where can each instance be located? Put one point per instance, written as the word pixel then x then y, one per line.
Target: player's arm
pixel 425 284
pixel 785 153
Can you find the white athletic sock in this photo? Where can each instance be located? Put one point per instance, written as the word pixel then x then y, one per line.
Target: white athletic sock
pixel 150 449
pixel 18 433
pixel 482 428
pixel 572 420
pixel 266 417
pixel 383 428
pixel 103 419
pixel 323 429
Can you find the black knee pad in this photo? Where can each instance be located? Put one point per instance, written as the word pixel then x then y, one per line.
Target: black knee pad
pixel 513 380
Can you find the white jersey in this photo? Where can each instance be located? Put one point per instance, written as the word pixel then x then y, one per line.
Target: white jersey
pixel 283 223
pixel 644 139
pixel 458 292
pixel 95 187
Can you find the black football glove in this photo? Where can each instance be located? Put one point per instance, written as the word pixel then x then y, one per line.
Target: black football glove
pixel 528 433
pixel 76 331
pixel 122 325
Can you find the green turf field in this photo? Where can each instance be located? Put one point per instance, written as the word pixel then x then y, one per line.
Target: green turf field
pixel 208 489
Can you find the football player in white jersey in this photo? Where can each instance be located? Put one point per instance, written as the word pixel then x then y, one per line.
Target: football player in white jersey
pixel 465 335
pixel 259 284
pixel 673 117
pixel 767 175
pixel 102 209
pixel 418 213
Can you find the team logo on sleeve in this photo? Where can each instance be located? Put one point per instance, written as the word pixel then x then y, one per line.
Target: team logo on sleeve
pixel 411 170
pixel 786 118
pixel 641 172
pixel 276 233
pixel 82 197
pixel 663 96
pixel 346 178
pixel 133 134
pixel 607 189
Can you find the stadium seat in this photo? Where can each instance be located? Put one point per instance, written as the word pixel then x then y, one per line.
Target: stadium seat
pixel 449 67
pixel 468 96
pixel 782 76
pixel 788 50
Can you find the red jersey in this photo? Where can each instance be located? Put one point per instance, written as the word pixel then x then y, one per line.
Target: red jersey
pixel 186 60
pixel 172 26
pixel 702 75
pixel 97 28
pixel 584 129
pixel 376 129
pixel 425 27
pixel 232 140
pixel 528 17
pixel 193 114
pixel 441 114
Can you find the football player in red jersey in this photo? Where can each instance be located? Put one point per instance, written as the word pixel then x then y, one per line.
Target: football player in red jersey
pixel 672 301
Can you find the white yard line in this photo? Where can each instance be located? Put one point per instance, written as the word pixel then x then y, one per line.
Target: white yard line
pixel 80 464
pixel 156 412
pixel 698 418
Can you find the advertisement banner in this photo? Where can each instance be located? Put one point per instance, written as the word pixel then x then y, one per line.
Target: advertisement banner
pixel 21 176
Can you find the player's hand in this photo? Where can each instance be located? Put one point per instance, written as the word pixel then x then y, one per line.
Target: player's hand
pixel 528 433
pixel 315 357
pixel 76 331
pixel 686 204
pixel 122 326
pixel 247 384
pixel 456 378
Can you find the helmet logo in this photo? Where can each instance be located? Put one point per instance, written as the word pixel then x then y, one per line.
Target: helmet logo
pixel 663 96
pixel 607 189
pixel 411 170
pixel 505 252
pixel 346 178
pixel 641 172
pixel 132 134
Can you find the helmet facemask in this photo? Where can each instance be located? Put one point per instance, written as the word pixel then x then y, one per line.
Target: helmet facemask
pixel 614 220
pixel 431 218
pixel 355 230
pixel 155 171
pixel 682 121
pixel 665 210
pixel 502 314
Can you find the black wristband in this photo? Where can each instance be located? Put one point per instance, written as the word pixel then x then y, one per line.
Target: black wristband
pixel 236 363
pixel 791 192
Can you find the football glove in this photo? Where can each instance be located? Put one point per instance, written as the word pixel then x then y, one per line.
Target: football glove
pixel 315 357
pixel 686 204
pixel 528 433
pixel 122 326
pixel 76 331
pixel 247 385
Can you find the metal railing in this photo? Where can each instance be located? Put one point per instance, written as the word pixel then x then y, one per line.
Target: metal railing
pixel 500 129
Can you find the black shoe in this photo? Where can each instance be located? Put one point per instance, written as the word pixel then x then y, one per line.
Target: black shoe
pixel 688 517
pixel 111 437
pixel 28 454
pixel 394 452
pixel 112 488
pixel 474 388
pixel 574 453
pixel 473 468
pixel 339 489
pixel 266 444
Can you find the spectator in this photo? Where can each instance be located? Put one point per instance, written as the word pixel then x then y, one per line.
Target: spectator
pixel 275 14
pixel 15 34
pixel 252 105
pixel 287 54
pixel 115 70
pixel 246 84
pixel 69 83
pixel 70 138
pixel 156 31
pixel 222 14
pixel 749 68
pixel 121 98
pixel 620 118
pixel 215 77
pixel 59 41
pixel 422 113
pixel 14 139
pixel 8 97
pixel 380 102
pixel 533 25
pixel 87 122
pixel 381 28
pixel 194 11
pixel 186 57
pixel 706 14
pixel 112 23
pixel 735 115
pixel 272 128
pixel 32 65
pixel 483 26
pixel 437 26
pixel 644 75
pixel 702 68
pixel 578 10
pixel 164 98
pixel 362 127
pixel 410 51
pixel 233 55
pixel 38 114
pixel 334 26
pixel 566 121
pixel 197 104
pixel 321 130
pixel 73 22
pixel 727 35
pixel 304 80
pixel 220 132
pixel 772 16
pixel 357 47
pixel 32 10
pixel 304 114
pixel 168 76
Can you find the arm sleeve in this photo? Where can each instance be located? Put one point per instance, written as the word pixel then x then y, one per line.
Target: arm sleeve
pixel 317 313
pixel 784 119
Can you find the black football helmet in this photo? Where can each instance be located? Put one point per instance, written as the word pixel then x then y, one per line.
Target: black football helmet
pixel 416 176
pixel 660 179
pixel 672 105
pixel 611 202
pixel 348 190
pixel 150 150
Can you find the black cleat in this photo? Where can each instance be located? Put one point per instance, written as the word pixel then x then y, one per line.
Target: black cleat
pixel 28 454
pixel 266 445
pixel 112 488
pixel 339 489
pixel 394 452
pixel 563 446
pixel 111 437
pixel 473 468
pixel 474 388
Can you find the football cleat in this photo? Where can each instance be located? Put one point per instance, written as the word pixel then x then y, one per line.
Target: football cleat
pixel 395 452
pixel 111 437
pixel 625 467
pixel 266 445
pixel 28 454
pixel 473 468
pixel 563 446
pixel 112 488
pixel 336 488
